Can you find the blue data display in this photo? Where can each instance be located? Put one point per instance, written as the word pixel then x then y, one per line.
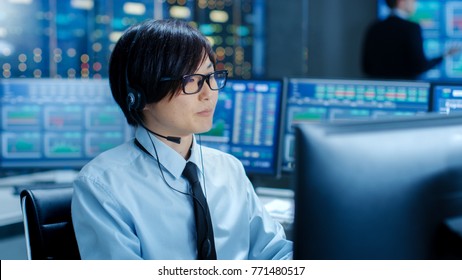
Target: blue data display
pixel 246 124
pixel 441 22
pixel 57 123
pixel 74 39
pixel 447 98
pixel 317 100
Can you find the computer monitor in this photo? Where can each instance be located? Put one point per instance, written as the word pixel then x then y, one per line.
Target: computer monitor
pixel 447 98
pixel 385 189
pixel 246 124
pixel 337 100
pixel 440 22
pixel 57 123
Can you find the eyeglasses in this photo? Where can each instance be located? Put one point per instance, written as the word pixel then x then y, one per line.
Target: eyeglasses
pixel 193 83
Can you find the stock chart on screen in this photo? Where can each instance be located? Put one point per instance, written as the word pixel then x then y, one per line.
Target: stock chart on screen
pixel 322 100
pixel 57 123
pixel 246 124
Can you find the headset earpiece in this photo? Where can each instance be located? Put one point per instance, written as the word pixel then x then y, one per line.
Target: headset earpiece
pixel 135 100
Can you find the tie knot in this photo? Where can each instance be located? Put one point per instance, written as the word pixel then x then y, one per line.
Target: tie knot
pixel 190 172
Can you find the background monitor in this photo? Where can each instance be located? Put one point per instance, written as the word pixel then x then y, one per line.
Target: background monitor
pixel 440 22
pixel 246 124
pixel 385 189
pixel 447 98
pixel 334 100
pixel 57 123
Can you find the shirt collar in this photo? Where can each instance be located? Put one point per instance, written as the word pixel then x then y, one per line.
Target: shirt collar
pixel 169 159
pixel 400 13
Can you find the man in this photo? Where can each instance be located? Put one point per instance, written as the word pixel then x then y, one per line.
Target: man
pixel 162 195
pixel 393 48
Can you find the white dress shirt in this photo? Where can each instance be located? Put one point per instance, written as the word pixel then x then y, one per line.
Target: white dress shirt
pixel 123 208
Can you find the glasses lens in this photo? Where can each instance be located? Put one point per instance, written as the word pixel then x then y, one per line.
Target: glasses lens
pixel 192 84
pixel 217 80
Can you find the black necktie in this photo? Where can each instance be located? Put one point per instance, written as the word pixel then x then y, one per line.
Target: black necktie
pixel 204 230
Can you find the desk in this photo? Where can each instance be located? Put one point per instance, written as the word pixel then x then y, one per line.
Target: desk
pixel 55 176
pixel 12 242
pixel 10 209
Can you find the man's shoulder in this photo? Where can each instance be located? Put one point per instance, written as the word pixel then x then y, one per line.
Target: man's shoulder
pixel 402 23
pixel 393 26
pixel 116 157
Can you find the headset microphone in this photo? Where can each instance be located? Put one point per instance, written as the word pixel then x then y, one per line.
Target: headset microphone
pixel 173 139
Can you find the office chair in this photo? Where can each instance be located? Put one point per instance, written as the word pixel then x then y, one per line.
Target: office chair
pixel 48 224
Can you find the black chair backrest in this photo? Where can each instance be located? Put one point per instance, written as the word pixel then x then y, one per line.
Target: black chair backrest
pixel 48 224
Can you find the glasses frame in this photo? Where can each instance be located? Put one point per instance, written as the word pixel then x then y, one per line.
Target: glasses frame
pixel 205 78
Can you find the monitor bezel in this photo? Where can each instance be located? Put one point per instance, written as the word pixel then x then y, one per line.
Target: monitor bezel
pixel 313 190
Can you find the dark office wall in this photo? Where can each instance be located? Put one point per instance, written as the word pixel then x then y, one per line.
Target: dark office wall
pixel 286 38
pixel 330 30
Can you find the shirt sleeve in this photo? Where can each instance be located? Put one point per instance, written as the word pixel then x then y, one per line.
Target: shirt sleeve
pixel 102 228
pixel 268 240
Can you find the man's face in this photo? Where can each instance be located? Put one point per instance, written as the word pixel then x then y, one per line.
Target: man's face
pixel 183 114
pixel 409 6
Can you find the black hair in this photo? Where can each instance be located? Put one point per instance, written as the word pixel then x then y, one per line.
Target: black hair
pixel 391 3
pixel 153 49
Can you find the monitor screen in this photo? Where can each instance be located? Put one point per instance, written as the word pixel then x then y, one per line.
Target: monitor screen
pixel 385 189
pixel 321 100
pixel 447 98
pixel 57 123
pixel 440 22
pixel 246 124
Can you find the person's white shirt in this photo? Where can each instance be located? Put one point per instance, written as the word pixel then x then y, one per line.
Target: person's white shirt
pixel 123 208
